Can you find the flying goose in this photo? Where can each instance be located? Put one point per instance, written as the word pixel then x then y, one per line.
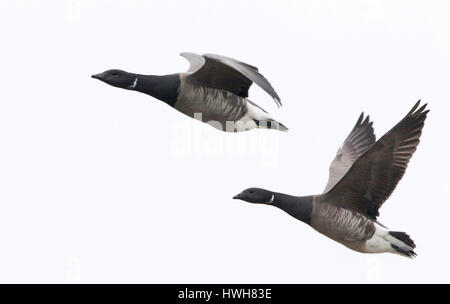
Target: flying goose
pixel 213 90
pixel 362 176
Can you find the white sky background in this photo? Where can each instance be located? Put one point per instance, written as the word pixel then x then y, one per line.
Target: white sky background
pixel 99 184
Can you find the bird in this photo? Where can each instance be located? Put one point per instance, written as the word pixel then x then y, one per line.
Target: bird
pixel 213 90
pixel 362 176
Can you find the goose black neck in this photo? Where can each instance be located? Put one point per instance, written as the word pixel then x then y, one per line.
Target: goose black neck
pixel 298 207
pixel 164 88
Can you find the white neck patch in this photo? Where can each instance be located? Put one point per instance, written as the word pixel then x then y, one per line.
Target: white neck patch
pixel 271 199
pixel 132 86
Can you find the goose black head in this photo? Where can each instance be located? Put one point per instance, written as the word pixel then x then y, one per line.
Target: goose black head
pixel 117 78
pixel 256 196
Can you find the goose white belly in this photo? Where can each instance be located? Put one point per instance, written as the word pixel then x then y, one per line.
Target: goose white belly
pixel 254 114
pixel 380 241
pixel 383 240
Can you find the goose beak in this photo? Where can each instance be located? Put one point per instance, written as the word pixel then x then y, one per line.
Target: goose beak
pixel 239 196
pixel 97 76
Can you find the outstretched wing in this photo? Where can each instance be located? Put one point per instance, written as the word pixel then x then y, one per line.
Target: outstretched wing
pixel 373 176
pixel 220 72
pixel 360 139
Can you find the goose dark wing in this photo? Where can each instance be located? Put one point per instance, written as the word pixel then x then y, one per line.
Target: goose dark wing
pixel 373 176
pixel 220 72
pixel 360 139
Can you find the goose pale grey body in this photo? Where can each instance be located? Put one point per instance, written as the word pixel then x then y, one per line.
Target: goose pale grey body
pixel 341 225
pixel 213 105
pixel 362 177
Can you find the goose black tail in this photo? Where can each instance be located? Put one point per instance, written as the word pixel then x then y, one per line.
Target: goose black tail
pixel 270 124
pixel 403 244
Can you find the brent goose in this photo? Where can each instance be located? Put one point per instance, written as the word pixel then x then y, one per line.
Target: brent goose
pixel 362 176
pixel 213 90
